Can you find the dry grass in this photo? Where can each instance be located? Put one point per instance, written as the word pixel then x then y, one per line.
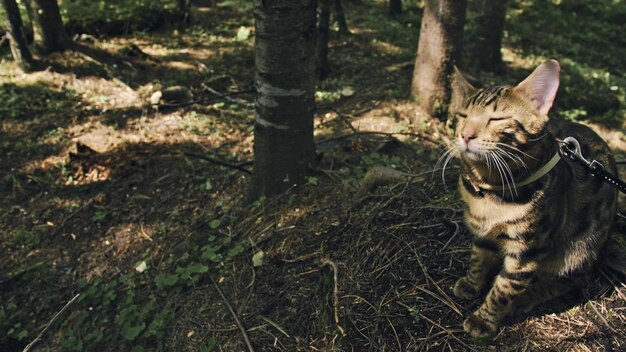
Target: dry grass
pixel 342 272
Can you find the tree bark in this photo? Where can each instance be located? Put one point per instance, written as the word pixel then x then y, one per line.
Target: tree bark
pixel 439 47
pixel 323 29
pixel 340 18
pixel 50 34
pixel 184 7
pixel 17 38
pixel 486 46
pixel 395 7
pixel 285 103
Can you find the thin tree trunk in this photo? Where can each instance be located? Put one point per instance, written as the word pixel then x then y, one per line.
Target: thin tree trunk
pixel 340 18
pixel 323 29
pixel 285 85
pixel 486 46
pixel 395 7
pixel 439 47
pixel 50 35
pixel 184 7
pixel 17 38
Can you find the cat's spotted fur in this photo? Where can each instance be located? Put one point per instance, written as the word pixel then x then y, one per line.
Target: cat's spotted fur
pixel 534 242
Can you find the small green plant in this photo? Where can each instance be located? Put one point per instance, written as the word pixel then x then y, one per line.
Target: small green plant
pixel 25 239
pixel 101 213
pixel 9 325
pixel 192 272
pixel 212 253
pixel 414 311
pixel 311 180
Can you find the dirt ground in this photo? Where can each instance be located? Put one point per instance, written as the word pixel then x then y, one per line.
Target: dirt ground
pixel 110 197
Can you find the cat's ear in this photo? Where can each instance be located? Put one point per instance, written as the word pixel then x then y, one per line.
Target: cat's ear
pixel 461 85
pixel 461 90
pixel 541 86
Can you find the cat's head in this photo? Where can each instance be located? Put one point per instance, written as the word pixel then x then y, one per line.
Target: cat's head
pixel 504 117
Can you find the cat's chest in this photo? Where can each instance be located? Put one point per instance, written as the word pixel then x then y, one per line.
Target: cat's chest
pixel 491 216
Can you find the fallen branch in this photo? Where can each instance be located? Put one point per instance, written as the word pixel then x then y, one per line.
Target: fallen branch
pixel 229 98
pixel 388 134
pixel 220 162
pixel 335 269
pixel 232 312
pixel 54 318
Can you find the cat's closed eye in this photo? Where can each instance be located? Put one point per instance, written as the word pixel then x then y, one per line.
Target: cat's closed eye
pixel 500 118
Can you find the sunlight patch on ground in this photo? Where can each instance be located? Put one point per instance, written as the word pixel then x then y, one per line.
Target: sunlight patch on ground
pixel 387 48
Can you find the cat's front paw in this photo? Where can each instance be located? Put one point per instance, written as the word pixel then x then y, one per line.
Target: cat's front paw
pixel 465 289
pixel 478 327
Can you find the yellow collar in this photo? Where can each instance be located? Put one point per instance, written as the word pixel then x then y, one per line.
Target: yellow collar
pixel 532 178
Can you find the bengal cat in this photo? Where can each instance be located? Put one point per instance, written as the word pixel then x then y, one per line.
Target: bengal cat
pixel 539 222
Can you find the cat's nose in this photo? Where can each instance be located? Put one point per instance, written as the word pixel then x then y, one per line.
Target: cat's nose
pixel 468 136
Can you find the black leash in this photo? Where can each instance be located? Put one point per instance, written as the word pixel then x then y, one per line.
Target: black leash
pixel 570 148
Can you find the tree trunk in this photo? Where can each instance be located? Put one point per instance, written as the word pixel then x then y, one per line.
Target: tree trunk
pixel 50 35
pixel 486 46
pixel 439 47
pixel 285 102
pixel 323 29
pixel 17 38
pixel 340 18
pixel 184 7
pixel 395 7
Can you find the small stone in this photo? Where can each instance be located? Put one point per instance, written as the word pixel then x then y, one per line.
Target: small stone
pixel 155 98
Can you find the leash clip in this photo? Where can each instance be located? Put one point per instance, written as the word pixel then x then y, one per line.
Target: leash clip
pixel 570 148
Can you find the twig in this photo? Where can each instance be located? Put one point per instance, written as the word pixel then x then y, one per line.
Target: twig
pixel 618 162
pixel 449 332
pixel 85 206
pixel 229 98
pixel 276 326
pixel 219 162
pixel 333 266
pixel 614 281
pixel 444 298
pixel 187 103
pixel 54 318
pixel 395 333
pixel 389 134
pixel 232 312
pixel 12 275
pixel 608 325
pixel 456 232
pixel 345 121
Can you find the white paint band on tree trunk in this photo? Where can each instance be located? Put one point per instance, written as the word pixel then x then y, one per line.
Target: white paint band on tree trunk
pixel 267 89
pixel 268 124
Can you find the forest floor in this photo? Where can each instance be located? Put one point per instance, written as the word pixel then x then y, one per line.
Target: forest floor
pixel 139 208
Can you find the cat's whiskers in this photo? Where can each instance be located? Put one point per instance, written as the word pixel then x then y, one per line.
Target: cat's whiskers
pixel 503 178
pixel 538 138
pixel 505 173
pixel 447 155
pixel 515 149
pixel 515 158
pixel 510 173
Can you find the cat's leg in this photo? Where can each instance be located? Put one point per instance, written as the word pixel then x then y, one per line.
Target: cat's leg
pixel 485 262
pixel 514 278
pixel 547 289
